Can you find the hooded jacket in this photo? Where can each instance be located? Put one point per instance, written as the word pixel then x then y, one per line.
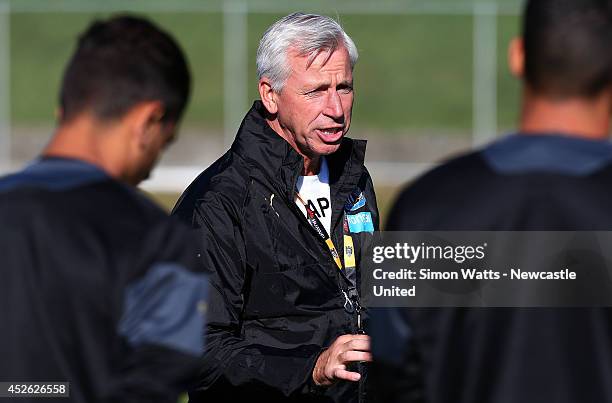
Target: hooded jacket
pixel 277 297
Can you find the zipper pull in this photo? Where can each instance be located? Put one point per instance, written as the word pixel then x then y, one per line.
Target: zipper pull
pixel 355 306
pixel 359 326
pixel 348 304
pixel 360 329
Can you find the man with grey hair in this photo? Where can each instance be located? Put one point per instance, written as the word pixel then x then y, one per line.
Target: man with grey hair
pixel 282 219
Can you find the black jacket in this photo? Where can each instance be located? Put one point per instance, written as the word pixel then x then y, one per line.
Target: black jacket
pixel 276 299
pixel 503 355
pixel 99 288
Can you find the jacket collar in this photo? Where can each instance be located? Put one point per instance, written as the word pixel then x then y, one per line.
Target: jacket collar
pixel 261 146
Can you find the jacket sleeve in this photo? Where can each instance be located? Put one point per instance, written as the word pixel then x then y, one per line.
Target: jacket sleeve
pixel 232 364
pixel 162 322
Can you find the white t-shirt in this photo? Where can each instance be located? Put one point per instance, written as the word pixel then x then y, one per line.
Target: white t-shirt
pixel 314 190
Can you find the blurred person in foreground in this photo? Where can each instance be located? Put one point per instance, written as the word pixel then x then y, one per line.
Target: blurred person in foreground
pixel 282 219
pixel 554 174
pixel 100 288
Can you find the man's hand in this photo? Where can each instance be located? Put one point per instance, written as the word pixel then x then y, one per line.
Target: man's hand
pixel 331 364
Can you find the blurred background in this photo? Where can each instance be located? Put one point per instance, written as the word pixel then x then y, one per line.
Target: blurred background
pixel 431 80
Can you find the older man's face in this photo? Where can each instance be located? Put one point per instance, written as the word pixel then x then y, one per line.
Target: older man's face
pixel 314 106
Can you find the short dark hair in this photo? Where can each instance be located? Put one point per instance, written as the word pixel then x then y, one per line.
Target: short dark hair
pixel 123 61
pixel 567 46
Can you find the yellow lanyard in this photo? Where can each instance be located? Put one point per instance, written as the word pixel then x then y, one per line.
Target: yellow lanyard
pixel 349 250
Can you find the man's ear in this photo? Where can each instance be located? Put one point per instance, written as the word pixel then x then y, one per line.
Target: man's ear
pixel 145 120
pixel 268 96
pixel 516 57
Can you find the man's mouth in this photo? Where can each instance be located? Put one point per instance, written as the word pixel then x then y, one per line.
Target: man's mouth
pixel 331 134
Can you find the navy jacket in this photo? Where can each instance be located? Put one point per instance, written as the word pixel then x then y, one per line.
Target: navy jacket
pixel 99 287
pixel 542 182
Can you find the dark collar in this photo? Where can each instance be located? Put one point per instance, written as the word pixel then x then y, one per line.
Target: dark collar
pixel 54 173
pixel 548 152
pixel 261 146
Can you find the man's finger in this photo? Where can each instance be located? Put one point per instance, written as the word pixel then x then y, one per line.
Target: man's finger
pixel 331 370
pixel 352 356
pixel 359 337
pixel 346 375
pixel 345 338
pixel 359 345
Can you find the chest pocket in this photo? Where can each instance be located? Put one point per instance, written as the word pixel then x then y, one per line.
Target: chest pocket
pixel 291 244
pixel 306 290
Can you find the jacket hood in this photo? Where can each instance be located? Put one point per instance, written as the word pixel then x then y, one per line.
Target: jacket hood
pixel 260 145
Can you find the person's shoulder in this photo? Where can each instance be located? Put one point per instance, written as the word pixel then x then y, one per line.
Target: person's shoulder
pixel 104 203
pixel 455 181
pixel 104 211
pixel 99 195
pixel 455 172
pixel 226 179
pixel 117 199
pixel 126 216
pixel 470 163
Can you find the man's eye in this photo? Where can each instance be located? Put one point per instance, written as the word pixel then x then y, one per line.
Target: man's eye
pixel 314 93
pixel 345 90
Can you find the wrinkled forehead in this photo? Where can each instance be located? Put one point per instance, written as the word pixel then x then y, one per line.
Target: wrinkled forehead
pixel 319 59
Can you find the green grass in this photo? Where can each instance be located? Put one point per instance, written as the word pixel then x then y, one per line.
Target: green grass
pixel 42 43
pixel 164 200
pixel 508 89
pixel 414 71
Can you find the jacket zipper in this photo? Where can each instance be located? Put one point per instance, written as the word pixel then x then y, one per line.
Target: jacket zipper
pixel 352 297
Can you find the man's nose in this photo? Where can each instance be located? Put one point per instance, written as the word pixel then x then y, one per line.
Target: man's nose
pixel 334 105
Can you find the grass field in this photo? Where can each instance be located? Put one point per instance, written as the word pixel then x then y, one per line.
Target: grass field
pixel 414 71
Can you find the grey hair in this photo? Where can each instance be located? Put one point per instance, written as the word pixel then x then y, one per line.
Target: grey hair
pixel 309 34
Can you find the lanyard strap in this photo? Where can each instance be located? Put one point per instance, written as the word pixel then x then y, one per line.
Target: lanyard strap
pixel 315 223
pixel 349 249
pixel 352 303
